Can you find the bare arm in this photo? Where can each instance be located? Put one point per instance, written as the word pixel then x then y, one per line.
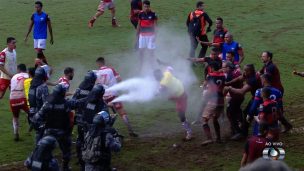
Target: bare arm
pixel 244 160
pixel 200 60
pixel 246 88
pixel 238 79
pixel 51 31
pixel 5 71
pixel 29 30
pixel 241 53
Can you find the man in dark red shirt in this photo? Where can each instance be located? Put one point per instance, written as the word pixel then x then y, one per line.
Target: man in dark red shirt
pixel 136 7
pixel 271 69
pixel 214 57
pixel 202 36
pixel 254 147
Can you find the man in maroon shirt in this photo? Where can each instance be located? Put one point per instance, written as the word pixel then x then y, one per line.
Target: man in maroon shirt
pixel 254 147
pixel 271 69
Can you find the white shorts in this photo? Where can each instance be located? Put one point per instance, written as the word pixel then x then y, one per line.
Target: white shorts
pixel 39 43
pixel 146 42
pixel 105 5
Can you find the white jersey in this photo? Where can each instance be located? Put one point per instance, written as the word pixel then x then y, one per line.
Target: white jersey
pixel 17 86
pixel 8 59
pixel 107 76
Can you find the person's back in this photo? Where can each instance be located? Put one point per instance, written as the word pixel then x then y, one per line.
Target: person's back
pixel 100 140
pixel 42 158
pixel 254 147
pixel 172 84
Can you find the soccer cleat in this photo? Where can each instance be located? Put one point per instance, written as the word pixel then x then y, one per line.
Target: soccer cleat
pixel 197 122
pixel 132 134
pixel 287 129
pixel 91 23
pixel 16 137
pixel 114 23
pixel 236 137
pixel 204 143
pixel 188 137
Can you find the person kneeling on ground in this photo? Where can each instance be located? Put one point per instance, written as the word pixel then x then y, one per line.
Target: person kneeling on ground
pixel 42 158
pixel 99 141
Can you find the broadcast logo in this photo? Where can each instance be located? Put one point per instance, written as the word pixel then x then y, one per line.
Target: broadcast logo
pixel 274 151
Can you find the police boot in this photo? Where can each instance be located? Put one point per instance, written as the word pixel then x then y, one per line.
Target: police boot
pixel 65 166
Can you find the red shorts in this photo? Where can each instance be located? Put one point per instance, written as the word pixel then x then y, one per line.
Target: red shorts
pixel 18 104
pixel 117 105
pixel 180 103
pixel 4 84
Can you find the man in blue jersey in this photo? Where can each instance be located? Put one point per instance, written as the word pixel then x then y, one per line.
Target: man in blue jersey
pixel 41 21
pixel 275 95
pixel 232 46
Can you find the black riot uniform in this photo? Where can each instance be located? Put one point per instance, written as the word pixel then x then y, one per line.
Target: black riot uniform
pixel 94 104
pixel 55 116
pixel 42 158
pixel 38 93
pixel 82 91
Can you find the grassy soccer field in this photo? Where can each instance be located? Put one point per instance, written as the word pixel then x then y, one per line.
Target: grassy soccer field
pixel 274 25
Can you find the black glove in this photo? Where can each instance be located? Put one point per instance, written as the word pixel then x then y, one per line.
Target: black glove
pixel 208 29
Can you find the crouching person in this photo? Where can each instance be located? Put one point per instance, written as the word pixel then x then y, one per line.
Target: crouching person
pixel 100 141
pixel 42 158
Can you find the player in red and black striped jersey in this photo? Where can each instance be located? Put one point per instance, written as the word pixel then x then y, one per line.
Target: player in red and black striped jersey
pixel 146 32
pixel 215 82
pixel 136 7
pixel 269 114
pixel 214 57
pixel 218 35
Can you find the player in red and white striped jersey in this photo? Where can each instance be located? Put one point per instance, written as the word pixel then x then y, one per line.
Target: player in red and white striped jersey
pixel 108 77
pixel 8 65
pixel 17 97
pixel 65 80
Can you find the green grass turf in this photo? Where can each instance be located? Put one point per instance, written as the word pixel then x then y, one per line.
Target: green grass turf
pixel 274 25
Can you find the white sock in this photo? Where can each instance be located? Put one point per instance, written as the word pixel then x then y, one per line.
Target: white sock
pixel 187 127
pixel 16 125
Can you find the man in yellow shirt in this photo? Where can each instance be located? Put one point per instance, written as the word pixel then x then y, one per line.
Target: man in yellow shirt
pixel 174 88
pixel 27 83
